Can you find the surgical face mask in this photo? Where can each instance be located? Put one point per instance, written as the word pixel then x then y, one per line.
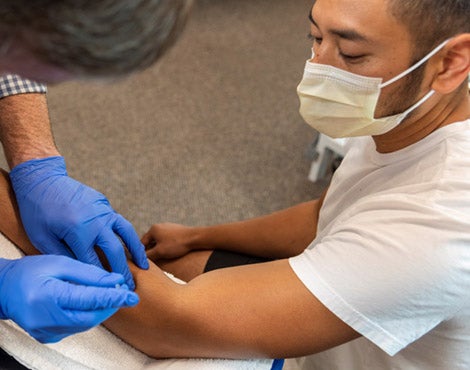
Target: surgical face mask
pixel 342 104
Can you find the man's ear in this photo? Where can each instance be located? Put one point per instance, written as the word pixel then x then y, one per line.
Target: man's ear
pixel 454 65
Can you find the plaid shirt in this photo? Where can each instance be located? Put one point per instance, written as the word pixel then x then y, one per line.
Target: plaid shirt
pixel 13 85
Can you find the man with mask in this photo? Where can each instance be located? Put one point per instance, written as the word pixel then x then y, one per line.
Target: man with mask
pixel 50 41
pixel 375 274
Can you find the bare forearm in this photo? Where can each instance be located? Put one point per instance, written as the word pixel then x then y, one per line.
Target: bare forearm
pixel 25 130
pixel 279 235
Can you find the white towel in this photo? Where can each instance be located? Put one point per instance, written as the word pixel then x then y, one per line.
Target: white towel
pixel 97 348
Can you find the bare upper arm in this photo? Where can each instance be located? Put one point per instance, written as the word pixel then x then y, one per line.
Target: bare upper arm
pixel 261 310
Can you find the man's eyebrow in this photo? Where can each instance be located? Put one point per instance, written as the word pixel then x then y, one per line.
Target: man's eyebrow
pixel 347 34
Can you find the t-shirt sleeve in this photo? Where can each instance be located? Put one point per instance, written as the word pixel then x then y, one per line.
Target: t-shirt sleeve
pixel 392 270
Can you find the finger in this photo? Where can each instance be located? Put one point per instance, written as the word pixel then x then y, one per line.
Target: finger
pixel 151 244
pixel 84 253
pixel 153 253
pixel 53 246
pixel 147 240
pixel 126 231
pixel 90 298
pixel 111 246
pixel 84 274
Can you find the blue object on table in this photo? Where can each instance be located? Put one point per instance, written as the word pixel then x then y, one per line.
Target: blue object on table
pixel 278 364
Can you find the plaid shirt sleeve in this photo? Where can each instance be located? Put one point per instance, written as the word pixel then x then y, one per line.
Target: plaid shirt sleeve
pixel 13 85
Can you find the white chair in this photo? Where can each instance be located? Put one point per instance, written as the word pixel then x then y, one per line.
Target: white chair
pixel 328 150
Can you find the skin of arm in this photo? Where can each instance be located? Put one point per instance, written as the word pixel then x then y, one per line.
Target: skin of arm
pixel 260 310
pixel 282 234
pixel 25 130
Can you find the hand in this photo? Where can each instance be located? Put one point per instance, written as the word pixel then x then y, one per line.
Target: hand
pixel 167 241
pixel 62 216
pixel 52 297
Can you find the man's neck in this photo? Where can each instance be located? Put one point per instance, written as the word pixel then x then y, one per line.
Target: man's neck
pixel 416 127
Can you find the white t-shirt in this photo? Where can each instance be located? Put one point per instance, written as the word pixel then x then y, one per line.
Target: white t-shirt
pixel 392 255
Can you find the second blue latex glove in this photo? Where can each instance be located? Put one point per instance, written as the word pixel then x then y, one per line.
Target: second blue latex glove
pixel 52 297
pixel 61 215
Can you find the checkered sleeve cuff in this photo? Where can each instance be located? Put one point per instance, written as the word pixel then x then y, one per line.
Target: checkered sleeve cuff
pixel 13 85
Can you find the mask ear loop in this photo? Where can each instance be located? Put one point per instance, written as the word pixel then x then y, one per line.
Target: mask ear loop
pixel 418 103
pixel 417 65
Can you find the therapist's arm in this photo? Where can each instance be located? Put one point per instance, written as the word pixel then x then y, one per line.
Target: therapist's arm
pixel 25 131
pixel 282 234
pixel 55 208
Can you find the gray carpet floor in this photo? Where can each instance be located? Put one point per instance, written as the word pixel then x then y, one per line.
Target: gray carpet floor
pixel 211 133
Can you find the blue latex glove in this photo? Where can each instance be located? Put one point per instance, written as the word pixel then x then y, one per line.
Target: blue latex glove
pixel 52 297
pixel 63 216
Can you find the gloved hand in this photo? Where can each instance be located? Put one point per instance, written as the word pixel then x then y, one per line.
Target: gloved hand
pixel 62 216
pixel 52 297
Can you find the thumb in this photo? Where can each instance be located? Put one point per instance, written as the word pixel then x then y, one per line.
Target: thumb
pixel 147 240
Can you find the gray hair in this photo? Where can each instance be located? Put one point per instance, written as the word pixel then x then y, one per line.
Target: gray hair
pixel 95 38
pixel 431 22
